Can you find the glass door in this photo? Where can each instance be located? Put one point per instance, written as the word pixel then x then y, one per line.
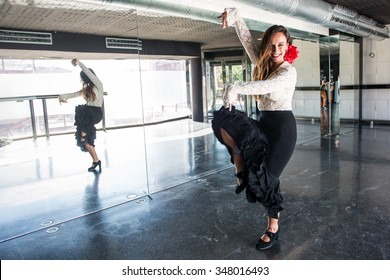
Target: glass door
pixel 220 74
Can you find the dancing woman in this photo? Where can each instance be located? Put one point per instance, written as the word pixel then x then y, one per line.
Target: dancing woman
pixel 273 84
pixel 89 114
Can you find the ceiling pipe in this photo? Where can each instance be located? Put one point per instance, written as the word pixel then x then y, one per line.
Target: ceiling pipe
pixel 184 8
pixel 163 7
pixel 332 16
pixel 315 11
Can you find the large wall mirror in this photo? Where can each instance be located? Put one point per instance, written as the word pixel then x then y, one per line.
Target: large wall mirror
pixel 142 150
pixel 147 141
pixel 329 81
pixel 339 86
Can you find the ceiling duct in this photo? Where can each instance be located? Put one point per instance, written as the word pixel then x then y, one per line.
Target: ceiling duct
pixel 314 11
pixel 332 16
pixel 164 7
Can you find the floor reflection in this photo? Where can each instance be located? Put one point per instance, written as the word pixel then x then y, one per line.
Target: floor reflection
pixel 94 221
pixel 330 120
pixel 335 189
pixel 91 195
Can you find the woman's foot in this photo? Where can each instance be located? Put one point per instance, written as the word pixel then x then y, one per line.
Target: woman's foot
pixel 94 165
pixel 269 238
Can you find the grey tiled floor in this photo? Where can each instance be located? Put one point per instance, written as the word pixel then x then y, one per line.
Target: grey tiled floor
pixel 167 192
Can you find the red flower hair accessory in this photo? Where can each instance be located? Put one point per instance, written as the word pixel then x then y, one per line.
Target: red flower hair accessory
pixel 291 54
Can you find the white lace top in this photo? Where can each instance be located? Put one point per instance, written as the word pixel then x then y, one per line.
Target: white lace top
pixel 97 89
pixel 278 89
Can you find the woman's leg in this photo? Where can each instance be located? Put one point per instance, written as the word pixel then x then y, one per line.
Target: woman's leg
pixel 237 158
pixel 92 152
pixel 273 226
pixel 90 149
pixel 281 129
pixel 324 98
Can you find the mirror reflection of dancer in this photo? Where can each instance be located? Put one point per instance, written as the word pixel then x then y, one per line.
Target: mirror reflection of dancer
pixel 89 114
pixel 324 95
pixel 273 85
pixel 331 84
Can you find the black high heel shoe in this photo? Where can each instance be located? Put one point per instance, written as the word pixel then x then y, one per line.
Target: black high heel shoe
pixel 261 245
pixel 94 165
pixel 244 176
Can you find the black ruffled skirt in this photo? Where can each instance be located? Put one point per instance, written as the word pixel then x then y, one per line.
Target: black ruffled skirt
pixel 266 146
pixel 85 119
pixel 250 140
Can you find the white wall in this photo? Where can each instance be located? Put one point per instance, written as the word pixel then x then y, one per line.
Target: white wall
pixel 376 102
pixel 376 71
pixel 307 103
pixel 349 76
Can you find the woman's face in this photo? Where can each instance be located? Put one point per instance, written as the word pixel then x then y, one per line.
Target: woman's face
pixel 279 47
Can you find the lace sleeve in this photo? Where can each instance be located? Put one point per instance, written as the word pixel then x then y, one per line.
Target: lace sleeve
pixel 285 77
pixel 243 32
pixel 66 96
pixel 95 80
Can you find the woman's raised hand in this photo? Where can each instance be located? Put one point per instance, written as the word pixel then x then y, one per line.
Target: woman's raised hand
pixel 62 100
pixel 229 95
pixel 228 17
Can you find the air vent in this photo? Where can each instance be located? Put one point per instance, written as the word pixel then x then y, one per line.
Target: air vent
pixel 25 37
pixel 345 11
pixel 343 21
pixel 119 43
pixel 364 29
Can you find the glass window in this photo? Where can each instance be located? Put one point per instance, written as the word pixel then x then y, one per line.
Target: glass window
pixel 137 92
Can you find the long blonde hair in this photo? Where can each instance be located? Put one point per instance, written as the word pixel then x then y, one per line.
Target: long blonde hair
pixel 88 92
pixel 264 67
